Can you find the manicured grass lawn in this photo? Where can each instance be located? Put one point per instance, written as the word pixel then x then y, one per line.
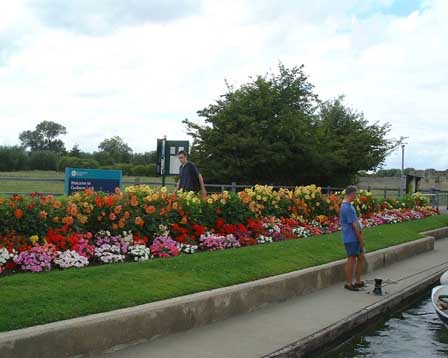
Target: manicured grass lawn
pixel 31 299
pixel 11 186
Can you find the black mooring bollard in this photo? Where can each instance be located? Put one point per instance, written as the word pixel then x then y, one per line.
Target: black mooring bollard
pixel 378 290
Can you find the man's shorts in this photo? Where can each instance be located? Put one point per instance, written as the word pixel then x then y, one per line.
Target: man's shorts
pixel 353 248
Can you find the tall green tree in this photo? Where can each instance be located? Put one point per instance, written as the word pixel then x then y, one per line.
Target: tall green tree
pixel 274 130
pixel 260 132
pixel 348 143
pixel 44 137
pixel 115 149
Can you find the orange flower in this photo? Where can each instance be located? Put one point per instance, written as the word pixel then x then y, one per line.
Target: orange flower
pixel 67 220
pixel 134 200
pixel 99 218
pixel 112 217
pixel 114 226
pixel 117 209
pixel 18 213
pixel 56 219
pixel 184 220
pixel 139 221
pixel 57 204
pixel 109 200
pixel 43 215
pixel 88 191
pixel 121 224
pixel 126 215
pixel 99 201
pixel 150 209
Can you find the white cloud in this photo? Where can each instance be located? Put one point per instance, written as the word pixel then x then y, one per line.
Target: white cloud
pixel 143 78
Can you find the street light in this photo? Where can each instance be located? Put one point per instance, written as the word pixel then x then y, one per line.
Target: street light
pixel 402 184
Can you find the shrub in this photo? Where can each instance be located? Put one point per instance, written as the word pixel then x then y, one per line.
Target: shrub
pixel 43 160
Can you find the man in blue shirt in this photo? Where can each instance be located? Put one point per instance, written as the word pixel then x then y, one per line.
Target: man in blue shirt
pixel 353 241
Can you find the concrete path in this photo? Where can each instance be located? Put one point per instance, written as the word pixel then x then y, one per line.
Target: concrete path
pixel 278 325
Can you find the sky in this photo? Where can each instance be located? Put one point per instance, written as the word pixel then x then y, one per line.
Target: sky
pixel 137 68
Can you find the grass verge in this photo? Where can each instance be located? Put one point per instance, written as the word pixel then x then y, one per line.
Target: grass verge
pixel 32 299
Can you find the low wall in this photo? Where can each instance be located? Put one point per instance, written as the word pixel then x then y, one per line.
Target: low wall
pixel 99 332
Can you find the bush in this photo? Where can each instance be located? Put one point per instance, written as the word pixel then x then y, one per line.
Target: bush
pixel 144 170
pixel 76 162
pixel 43 160
pixel 12 158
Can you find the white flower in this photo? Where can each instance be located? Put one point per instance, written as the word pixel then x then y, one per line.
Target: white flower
pixel 70 258
pixel 188 249
pixel 139 252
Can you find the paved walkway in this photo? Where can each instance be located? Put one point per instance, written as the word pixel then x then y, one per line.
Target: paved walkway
pixel 275 326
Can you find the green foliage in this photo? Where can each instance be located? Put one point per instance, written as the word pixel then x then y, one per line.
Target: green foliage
pixel 347 143
pixel 77 162
pixel 273 130
pixel 43 160
pixel 44 137
pixel 12 158
pixel 116 149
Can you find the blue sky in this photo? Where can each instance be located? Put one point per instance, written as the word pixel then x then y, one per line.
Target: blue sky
pixel 137 68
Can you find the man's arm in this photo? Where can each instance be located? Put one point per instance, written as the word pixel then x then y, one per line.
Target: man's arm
pixel 358 233
pixel 201 182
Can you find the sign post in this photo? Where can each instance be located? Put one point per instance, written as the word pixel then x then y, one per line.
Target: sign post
pixel 79 179
pixel 163 160
pixel 167 150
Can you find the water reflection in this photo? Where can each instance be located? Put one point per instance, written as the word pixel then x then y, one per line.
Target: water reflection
pixel 417 332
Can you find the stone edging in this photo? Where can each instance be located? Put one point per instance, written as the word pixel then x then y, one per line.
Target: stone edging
pixel 100 332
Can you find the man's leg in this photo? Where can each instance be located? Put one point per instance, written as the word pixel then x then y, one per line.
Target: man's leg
pixel 349 270
pixel 359 267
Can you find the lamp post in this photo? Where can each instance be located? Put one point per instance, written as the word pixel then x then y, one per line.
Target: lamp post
pixel 402 184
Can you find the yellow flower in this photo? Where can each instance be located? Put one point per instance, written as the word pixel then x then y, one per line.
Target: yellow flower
pixel 163 189
pixel 210 200
pixel 34 239
pixel 258 197
pixel 223 201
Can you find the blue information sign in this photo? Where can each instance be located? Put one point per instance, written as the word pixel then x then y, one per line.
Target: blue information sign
pixel 78 179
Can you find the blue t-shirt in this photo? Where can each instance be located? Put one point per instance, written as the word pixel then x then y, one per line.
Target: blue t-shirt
pixel 347 218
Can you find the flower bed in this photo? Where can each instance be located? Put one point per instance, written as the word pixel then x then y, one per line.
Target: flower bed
pixel 39 233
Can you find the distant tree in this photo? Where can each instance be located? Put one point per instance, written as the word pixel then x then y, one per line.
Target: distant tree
pixel 75 151
pixel 44 137
pixel 144 158
pixel 12 158
pixel 116 149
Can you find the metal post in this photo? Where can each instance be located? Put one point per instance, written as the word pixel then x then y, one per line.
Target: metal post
pixel 402 170
pixel 162 164
pixel 234 187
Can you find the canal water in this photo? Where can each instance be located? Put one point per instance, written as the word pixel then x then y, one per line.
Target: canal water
pixel 416 332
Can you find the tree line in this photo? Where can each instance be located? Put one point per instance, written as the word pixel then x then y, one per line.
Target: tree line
pixel 43 149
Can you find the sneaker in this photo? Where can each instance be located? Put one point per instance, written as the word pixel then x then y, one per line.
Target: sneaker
pixel 359 284
pixel 351 288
